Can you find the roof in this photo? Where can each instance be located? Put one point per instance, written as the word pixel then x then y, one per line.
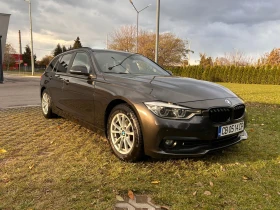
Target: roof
pixel 3 14
pixel 97 50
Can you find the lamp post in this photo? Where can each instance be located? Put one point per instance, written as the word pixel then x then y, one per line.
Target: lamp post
pixel 1 67
pixel 138 21
pixel 31 36
pixel 157 30
pixel 189 51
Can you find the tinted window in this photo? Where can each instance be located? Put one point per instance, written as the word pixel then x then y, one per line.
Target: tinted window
pixel 63 63
pixel 81 59
pixel 116 62
pixel 52 64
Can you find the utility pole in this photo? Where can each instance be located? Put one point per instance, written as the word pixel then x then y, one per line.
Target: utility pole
pixel 1 63
pixel 189 51
pixel 31 36
pixel 20 49
pixel 157 30
pixel 107 43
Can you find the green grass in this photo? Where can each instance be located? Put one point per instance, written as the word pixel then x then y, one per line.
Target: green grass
pixel 57 164
pixel 268 94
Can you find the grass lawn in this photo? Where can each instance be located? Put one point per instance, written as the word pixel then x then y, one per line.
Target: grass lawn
pixel 269 94
pixel 57 164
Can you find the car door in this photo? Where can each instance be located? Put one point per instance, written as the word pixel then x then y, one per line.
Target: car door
pixel 78 89
pixel 57 79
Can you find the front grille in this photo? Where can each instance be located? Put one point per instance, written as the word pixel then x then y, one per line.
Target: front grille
pixel 219 115
pixel 223 114
pixel 238 111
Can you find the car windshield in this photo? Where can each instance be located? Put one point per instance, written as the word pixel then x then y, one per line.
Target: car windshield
pixel 125 63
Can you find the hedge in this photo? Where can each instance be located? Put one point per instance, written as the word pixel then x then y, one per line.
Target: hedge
pixel 232 74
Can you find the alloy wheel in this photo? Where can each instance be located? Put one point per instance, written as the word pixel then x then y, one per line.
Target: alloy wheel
pixel 122 133
pixel 45 103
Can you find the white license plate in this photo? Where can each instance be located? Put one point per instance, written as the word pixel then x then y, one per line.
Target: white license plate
pixel 230 129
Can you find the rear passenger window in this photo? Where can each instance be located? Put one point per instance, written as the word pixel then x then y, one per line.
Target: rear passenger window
pixel 52 64
pixel 63 63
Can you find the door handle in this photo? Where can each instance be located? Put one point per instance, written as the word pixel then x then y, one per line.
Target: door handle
pixel 57 76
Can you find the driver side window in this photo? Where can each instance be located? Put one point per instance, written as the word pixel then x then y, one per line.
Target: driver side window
pixel 82 59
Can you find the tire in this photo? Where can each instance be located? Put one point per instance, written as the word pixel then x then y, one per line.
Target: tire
pixel 124 134
pixel 46 105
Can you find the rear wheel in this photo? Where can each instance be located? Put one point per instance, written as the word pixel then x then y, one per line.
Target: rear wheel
pixel 46 105
pixel 124 134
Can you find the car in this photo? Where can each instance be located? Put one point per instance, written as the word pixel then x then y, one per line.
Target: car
pixel 141 108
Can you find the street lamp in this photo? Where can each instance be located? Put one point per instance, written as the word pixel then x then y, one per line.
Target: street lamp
pixel 32 55
pixel 189 51
pixel 137 20
pixel 157 30
pixel 1 67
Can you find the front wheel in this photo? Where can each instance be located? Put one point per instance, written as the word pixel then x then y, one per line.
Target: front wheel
pixel 124 134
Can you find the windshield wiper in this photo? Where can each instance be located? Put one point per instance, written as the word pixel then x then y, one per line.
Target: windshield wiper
pixel 112 72
pixel 119 64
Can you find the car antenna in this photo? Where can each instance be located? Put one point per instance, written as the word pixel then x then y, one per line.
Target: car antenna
pixel 152 79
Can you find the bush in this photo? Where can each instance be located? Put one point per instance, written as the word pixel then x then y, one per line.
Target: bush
pixel 233 74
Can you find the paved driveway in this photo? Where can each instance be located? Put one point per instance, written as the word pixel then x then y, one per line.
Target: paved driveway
pixel 19 91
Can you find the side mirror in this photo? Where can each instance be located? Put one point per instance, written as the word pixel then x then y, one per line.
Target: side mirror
pixel 79 70
pixel 170 72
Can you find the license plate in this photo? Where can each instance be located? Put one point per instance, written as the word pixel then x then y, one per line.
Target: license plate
pixel 230 129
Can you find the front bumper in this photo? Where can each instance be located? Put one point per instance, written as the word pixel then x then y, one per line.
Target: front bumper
pixel 194 137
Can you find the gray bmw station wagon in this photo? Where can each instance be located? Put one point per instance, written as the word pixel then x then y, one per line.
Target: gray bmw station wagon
pixel 140 107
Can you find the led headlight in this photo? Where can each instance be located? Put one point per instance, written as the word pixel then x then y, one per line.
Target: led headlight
pixel 171 111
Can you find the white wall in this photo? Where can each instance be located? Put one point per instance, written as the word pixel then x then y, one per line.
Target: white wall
pixel 4 23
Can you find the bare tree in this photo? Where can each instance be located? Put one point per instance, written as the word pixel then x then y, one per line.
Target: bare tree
pixel 236 58
pixel 123 39
pixel 273 58
pixel 45 60
pixel 172 50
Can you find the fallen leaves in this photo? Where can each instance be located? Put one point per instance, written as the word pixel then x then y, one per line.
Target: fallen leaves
pixel 246 178
pixel 155 182
pixel 119 198
pixel 211 184
pixel 194 193
pixel 2 151
pixel 199 184
pixel 208 193
pixel 130 195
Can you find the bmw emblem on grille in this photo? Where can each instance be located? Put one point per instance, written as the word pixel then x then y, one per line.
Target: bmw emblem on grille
pixel 228 102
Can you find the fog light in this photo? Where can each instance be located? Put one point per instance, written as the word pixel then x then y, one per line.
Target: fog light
pixel 170 143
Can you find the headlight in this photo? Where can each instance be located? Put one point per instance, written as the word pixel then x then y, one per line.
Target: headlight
pixel 171 111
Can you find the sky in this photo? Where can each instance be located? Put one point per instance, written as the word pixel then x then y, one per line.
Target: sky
pixel 214 27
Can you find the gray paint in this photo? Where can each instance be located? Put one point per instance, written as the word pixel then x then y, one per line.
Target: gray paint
pixel 4 24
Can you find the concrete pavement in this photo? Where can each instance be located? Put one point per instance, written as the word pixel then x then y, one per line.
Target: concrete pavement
pixel 19 91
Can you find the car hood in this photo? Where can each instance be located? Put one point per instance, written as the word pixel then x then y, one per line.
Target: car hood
pixel 173 89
